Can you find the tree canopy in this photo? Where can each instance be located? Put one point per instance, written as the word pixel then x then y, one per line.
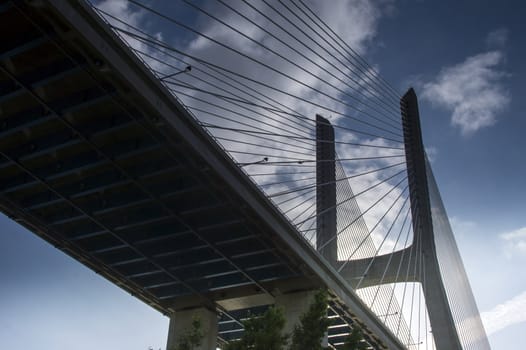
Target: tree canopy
pixel 265 331
pixel 309 333
pixel 262 332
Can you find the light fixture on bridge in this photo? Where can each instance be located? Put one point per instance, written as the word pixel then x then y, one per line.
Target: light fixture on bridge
pixel 391 314
pixel 264 160
pixel 414 344
pixel 186 70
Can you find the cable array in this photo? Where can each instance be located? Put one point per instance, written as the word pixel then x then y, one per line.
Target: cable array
pixel 462 303
pixel 254 74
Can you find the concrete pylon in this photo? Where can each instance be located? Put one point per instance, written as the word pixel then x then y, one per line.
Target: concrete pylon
pixel 294 305
pixel 181 324
pixel 326 241
pixel 383 269
pixel 440 315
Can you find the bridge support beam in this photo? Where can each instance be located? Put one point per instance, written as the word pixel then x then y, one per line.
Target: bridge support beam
pixel 181 324
pixel 382 269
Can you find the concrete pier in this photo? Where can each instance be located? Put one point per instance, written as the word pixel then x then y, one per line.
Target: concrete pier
pixel 181 324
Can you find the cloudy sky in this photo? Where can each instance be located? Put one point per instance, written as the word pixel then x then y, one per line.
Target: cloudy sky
pixel 465 61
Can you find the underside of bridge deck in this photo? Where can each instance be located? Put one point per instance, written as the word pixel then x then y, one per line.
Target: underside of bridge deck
pixel 97 158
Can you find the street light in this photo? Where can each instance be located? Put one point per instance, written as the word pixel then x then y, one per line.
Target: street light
pixel 187 69
pixel 262 161
pixel 391 314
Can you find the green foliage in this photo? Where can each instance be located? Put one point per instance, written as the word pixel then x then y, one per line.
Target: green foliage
pixel 313 325
pixel 354 340
pixel 265 332
pixel 262 333
pixel 192 338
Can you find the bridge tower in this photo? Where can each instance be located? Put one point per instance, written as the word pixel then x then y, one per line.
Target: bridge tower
pixel 432 239
pixel 440 315
pixel 326 191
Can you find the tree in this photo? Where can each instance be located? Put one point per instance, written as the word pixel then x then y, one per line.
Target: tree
pixel 265 332
pixel 262 332
pixel 313 325
pixel 192 338
pixel 355 340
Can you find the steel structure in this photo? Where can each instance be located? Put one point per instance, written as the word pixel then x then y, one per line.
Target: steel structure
pixel 100 160
pixel 454 317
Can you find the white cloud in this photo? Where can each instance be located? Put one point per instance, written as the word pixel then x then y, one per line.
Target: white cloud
pixel 129 18
pixel 355 20
pixel 517 234
pixel 472 90
pixel 120 9
pixel 511 312
pixel 461 226
pixel 515 242
pixel 431 153
pixel 497 38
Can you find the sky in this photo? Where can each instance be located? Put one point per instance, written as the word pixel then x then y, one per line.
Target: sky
pixel 465 61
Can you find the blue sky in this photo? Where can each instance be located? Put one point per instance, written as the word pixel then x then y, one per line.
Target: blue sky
pixel 459 56
pixel 474 48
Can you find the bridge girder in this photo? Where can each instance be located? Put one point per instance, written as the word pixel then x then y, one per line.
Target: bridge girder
pixel 69 188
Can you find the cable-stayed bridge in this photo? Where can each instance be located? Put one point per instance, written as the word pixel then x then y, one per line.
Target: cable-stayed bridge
pixel 247 164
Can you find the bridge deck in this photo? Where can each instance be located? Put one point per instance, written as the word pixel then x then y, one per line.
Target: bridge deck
pixel 97 158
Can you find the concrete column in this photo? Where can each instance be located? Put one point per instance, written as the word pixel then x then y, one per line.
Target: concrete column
pixel 181 323
pixel 439 310
pixel 294 305
pixel 326 241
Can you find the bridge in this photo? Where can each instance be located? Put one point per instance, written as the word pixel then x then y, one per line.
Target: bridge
pixel 197 190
